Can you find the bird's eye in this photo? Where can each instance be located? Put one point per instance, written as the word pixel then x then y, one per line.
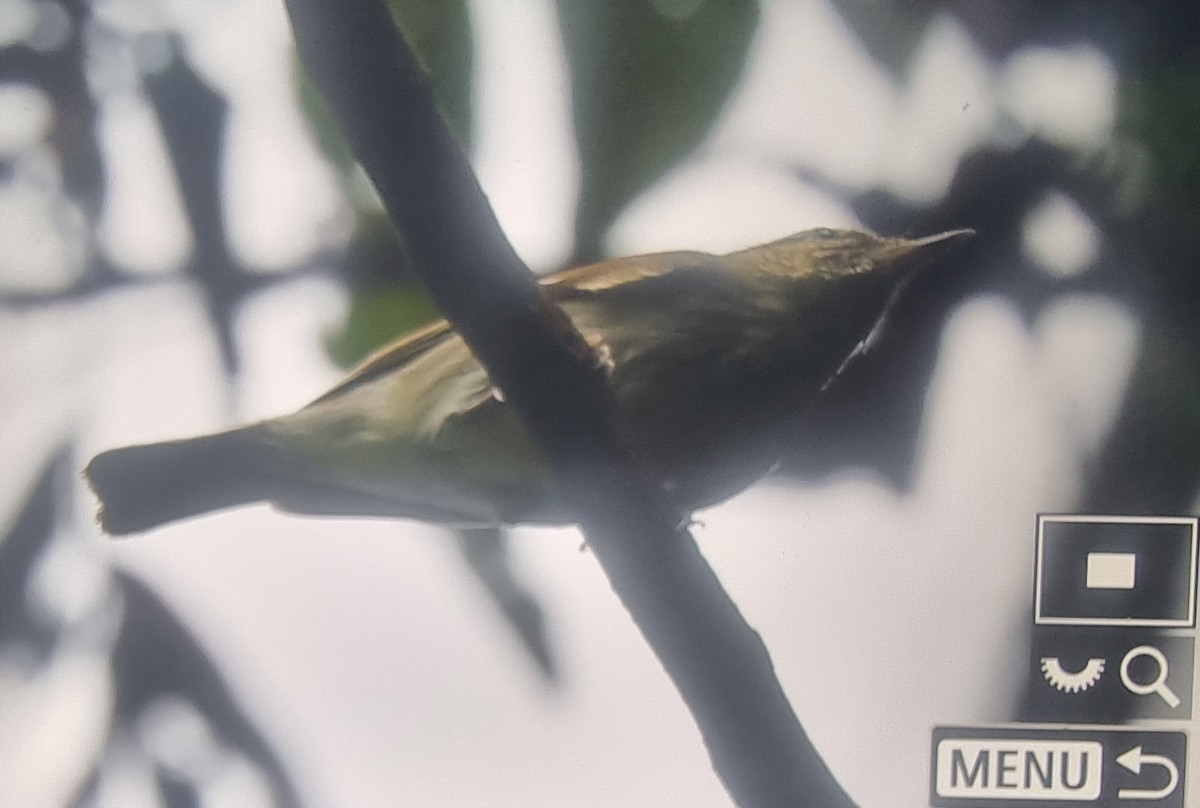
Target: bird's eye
pixel 824 232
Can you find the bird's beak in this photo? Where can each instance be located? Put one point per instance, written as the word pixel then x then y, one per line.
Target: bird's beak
pixel 907 256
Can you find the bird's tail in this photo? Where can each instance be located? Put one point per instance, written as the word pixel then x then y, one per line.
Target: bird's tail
pixel 141 487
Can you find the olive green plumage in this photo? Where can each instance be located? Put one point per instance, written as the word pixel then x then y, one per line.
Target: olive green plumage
pixel 709 356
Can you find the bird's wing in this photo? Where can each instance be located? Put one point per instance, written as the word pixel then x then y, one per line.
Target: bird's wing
pixel 562 285
pixel 390 357
pixel 616 272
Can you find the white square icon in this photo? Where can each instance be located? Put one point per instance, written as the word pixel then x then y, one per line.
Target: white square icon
pixel 1098 570
pixel 1111 570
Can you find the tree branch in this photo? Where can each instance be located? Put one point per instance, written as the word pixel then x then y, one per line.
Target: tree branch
pixel 533 353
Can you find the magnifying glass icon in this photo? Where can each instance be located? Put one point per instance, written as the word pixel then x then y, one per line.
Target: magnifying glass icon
pixel 1158 684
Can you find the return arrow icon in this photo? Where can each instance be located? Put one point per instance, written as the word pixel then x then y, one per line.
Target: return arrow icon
pixel 1133 760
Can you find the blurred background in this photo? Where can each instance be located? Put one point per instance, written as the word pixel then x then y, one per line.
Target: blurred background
pixel 185 243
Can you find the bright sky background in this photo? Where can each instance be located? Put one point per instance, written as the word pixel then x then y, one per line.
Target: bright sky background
pixel 363 648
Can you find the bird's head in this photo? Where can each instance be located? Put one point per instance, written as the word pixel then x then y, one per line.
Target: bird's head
pixel 832 253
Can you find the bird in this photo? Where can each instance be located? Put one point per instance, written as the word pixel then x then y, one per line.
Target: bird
pixel 712 359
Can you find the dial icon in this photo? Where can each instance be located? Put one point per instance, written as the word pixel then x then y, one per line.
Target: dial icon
pixel 1072 681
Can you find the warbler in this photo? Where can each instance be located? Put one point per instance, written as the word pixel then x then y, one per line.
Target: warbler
pixel 710 358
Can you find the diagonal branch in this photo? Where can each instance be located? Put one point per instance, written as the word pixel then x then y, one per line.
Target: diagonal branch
pixel 722 669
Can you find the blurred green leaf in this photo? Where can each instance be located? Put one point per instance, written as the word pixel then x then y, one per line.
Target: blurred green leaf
pixel 439 32
pixel 1152 461
pixel 381 308
pixel 1160 111
pixel 321 122
pixel 376 318
pixel 648 78
pixel 889 31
